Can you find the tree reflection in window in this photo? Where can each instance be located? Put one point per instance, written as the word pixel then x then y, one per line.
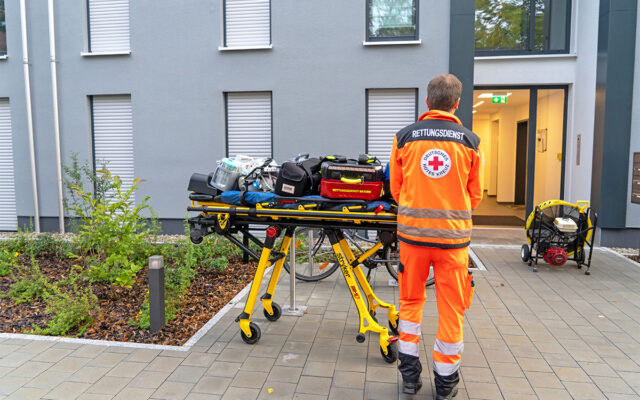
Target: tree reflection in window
pixel 391 19
pixel 519 26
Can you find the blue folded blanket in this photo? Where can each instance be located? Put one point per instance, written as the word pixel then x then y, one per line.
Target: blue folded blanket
pixel 253 198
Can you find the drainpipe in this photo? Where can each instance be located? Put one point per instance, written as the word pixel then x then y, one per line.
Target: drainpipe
pixel 56 122
pixel 27 90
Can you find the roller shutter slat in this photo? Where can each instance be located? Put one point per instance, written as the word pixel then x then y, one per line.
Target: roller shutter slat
pixel 247 23
pixel 389 110
pixel 8 216
pixel 113 136
pixel 109 25
pixel 249 124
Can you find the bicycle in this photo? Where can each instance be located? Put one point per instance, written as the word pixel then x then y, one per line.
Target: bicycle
pixel 313 244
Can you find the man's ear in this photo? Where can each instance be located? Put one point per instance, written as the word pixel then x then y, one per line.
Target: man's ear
pixel 455 106
pixel 427 101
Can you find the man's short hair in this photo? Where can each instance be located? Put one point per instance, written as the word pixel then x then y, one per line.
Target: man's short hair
pixel 443 92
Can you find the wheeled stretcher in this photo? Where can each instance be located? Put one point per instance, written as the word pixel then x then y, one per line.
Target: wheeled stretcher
pixel 281 216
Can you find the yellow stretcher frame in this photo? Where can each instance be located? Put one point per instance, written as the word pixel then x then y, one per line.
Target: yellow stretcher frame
pixel 224 218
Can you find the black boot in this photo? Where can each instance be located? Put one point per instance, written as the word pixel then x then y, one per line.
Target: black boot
pixel 446 386
pixel 411 387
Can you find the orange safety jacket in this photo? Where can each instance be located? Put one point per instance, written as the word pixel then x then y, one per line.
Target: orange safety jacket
pixel 436 178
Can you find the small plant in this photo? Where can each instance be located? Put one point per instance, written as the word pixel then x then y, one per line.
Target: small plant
pixel 30 284
pixel 8 260
pixel 113 231
pixel 73 310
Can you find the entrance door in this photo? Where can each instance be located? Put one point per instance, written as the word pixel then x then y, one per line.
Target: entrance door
pixel 520 193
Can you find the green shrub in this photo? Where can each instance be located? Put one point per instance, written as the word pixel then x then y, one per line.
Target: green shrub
pixel 30 284
pixel 8 261
pixel 73 310
pixel 113 232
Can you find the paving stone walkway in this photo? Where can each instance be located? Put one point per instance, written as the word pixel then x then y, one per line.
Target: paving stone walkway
pixel 556 334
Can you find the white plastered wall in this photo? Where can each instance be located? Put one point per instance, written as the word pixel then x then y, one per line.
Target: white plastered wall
pixel 578 71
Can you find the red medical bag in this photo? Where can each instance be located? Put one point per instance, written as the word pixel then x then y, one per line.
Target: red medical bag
pixel 351 180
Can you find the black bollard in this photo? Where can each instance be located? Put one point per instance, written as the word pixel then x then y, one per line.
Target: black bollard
pixel 156 293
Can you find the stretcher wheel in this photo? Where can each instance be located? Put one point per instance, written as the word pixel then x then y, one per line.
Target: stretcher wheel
pixel 360 338
pixel 255 334
pixel 392 353
pixel 394 329
pixel 277 312
pixel 525 253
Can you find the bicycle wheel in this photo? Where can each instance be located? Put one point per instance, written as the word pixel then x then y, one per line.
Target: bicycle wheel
pixel 361 235
pixel 393 254
pixel 312 244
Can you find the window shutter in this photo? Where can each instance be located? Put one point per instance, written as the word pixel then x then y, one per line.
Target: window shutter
pixel 109 26
pixel 388 111
pixel 113 136
pixel 247 23
pixel 8 217
pixel 249 124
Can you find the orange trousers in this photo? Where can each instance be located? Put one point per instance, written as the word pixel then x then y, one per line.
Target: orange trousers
pixel 454 291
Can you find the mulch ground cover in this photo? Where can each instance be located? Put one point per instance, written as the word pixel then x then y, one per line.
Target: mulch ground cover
pixel 209 292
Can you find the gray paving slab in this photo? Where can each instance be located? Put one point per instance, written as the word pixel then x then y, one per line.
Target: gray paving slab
pixel 554 334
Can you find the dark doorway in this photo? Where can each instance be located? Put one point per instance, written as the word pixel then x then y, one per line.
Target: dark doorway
pixel 521 162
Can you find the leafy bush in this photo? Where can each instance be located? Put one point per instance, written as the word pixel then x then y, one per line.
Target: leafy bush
pixel 30 284
pixel 8 260
pixel 73 310
pixel 112 233
pixel 77 175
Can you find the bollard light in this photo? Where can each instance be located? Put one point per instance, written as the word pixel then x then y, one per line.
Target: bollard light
pixel 156 293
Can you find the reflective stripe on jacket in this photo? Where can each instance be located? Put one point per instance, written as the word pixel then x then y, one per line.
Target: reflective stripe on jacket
pixel 436 168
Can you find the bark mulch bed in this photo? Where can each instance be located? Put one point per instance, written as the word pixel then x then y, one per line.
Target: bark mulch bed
pixel 210 291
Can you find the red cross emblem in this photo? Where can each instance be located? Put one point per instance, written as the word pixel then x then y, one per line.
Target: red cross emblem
pixel 435 163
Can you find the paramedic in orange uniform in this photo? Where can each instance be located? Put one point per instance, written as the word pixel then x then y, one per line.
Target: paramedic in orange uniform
pixel 435 170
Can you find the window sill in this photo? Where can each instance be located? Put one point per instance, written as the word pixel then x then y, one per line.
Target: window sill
pixel 106 53
pixel 526 56
pixel 4 57
pixel 241 48
pixel 393 42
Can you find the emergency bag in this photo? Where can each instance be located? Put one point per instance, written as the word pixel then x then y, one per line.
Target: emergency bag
pixel 297 179
pixel 362 179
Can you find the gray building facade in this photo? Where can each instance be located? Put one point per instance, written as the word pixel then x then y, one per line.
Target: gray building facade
pixel 177 78
pixel 318 69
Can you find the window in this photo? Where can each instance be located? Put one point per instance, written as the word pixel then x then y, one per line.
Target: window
pixel 522 26
pixel 8 216
pixel 248 118
pixel 3 31
pixel 247 23
pixel 112 125
pixel 392 20
pixel 388 111
pixel 108 26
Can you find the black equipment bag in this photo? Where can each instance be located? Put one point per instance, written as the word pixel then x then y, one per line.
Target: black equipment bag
pixel 298 178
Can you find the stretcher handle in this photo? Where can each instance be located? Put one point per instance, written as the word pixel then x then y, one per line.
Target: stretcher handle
pixel 351 181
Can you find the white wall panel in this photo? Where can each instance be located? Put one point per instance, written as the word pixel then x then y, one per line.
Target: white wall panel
pixel 113 136
pixel 109 26
pixel 249 124
pixel 247 23
pixel 8 218
pixel 388 111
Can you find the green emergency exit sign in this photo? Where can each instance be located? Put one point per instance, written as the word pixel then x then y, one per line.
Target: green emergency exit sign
pixel 499 99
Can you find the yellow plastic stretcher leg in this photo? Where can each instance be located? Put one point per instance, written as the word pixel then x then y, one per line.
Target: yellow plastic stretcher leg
pixel 367 323
pixel 372 300
pixel 272 309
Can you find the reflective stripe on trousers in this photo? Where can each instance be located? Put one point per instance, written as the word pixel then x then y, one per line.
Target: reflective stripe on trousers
pixel 450 269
